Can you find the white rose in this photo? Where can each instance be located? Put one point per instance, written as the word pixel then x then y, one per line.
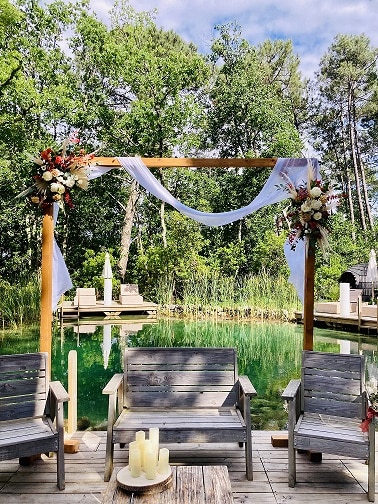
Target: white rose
pixel 317 215
pixel 316 205
pixel 306 207
pixel 70 182
pixel 60 179
pixel 61 189
pixel 54 187
pixel 315 192
pixel 47 176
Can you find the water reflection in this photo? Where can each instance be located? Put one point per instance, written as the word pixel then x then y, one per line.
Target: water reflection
pixel 270 354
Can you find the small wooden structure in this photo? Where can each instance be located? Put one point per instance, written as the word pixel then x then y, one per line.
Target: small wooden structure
pixel 29 406
pixel 193 395
pixel 326 408
pixel 357 277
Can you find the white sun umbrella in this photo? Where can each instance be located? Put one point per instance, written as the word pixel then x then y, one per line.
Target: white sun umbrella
pixel 108 280
pixel 372 272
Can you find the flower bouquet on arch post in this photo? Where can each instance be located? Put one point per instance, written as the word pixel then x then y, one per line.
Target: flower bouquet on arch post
pixel 308 215
pixel 57 173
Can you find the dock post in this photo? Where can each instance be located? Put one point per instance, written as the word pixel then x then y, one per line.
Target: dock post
pixel 72 392
pixel 359 304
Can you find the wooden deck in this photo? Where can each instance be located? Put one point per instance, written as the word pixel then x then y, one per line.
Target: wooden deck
pixel 335 480
pixel 67 310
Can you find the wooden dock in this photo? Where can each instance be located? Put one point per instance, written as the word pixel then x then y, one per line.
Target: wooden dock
pixel 69 310
pixel 337 480
pixel 364 319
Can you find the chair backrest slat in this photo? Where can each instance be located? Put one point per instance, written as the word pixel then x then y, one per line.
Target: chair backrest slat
pixel 24 384
pixel 333 384
pixel 180 377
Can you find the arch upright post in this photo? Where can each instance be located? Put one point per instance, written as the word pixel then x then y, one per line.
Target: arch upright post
pixel 308 309
pixel 46 279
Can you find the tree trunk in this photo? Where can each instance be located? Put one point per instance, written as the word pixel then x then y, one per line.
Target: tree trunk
pixel 347 185
pixel 127 227
pixel 163 226
pixel 364 188
pixel 354 160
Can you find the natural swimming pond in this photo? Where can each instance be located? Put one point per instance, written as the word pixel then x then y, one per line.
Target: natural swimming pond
pixel 268 353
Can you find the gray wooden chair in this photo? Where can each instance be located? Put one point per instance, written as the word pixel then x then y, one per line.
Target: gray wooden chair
pixel 29 405
pixel 194 395
pixel 326 408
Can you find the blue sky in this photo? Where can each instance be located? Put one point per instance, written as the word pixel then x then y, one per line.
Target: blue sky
pixel 311 24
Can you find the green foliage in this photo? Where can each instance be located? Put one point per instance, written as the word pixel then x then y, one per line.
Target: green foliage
pixel 135 89
pixel 174 263
pixel 251 112
pixel 90 273
pixel 269 246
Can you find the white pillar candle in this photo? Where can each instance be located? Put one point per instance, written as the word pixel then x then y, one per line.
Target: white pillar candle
pixel 132 445
pixel 135 462
pixel 149 460
pixel 154 438
pixel 140 437
pixel 163 465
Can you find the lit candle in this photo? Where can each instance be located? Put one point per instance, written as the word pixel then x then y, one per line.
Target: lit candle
pixel 135 462
pixel 154 438
pixel 140 437
pixel 149 463
pixel 163 465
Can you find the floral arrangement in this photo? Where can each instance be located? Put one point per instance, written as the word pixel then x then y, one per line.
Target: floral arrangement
pixel 309 213
pixel 372 411
pixel 57 173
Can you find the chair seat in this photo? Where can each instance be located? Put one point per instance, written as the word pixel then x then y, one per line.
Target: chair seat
pixel 331 434
pixel 18 437
pixel 194 425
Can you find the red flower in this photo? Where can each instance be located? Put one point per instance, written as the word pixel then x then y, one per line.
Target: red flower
pixel 45 155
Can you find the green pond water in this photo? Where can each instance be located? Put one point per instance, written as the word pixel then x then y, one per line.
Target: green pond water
pixel 269 354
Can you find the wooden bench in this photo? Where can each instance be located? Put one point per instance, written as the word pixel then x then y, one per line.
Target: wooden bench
pixel 326 408
pixel 194 395
pixel 29 404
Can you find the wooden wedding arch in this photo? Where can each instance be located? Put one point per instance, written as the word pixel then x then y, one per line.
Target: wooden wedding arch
pixel 48 239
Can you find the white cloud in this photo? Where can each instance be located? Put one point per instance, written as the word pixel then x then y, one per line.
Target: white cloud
pixel 311 24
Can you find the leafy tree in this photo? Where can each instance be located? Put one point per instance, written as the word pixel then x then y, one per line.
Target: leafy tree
pixel 347 81
pixel 35 87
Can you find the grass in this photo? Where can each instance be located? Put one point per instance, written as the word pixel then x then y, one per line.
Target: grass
pixel 20 304
pixel 258 297
pixel 255 297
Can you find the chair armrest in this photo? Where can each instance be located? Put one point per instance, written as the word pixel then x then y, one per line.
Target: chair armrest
pixel 54 406
pixel 246 386
pixel 59 392
pixel 291 390
pixel 113 385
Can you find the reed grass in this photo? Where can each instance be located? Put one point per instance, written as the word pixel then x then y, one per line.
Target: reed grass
pixel 20 304
pixel 260 297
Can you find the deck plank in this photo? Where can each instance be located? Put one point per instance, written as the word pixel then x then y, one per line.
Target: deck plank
pixel 336 480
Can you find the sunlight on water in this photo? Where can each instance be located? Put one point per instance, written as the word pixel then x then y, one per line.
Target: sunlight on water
pixel 269 354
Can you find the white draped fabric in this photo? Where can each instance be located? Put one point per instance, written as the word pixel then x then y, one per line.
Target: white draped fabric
pixel 295 171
